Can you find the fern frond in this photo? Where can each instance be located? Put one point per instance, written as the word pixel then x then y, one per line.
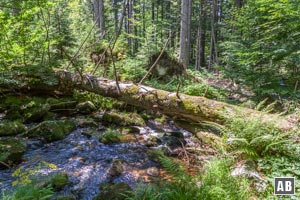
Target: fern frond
pixel 237 141
pixel 262 140
pixel 171 167
pixel 261 104
pixel 249 152
pixel 268 147
pixel 270 107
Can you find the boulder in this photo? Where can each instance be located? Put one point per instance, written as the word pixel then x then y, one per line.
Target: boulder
pixel 86 122
pixel 59 181
pixel 11 151
pixel 11 128
pixel 50 131
pixel 36 113
pixel 211 139
pixel 59 105
pixel 86 107
pixel 123 119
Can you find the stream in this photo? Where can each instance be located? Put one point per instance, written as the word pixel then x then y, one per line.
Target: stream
pixel 88 162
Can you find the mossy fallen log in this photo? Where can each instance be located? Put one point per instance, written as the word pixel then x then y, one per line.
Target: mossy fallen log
pixel 193 108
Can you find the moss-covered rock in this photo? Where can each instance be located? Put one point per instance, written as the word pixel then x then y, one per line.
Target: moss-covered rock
pixel 11 128
pixel 36 113
pixel 86 122
pixel 58 105
pixel 50 131
pixel 11 151
pixel 116 168
pixel 89 133
pixel 113 192
pixel 59 181
pixel 124 119
pixel 86 107
pixel 211 139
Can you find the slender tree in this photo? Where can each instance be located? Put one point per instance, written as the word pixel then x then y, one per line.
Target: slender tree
pixel 185 27
pixel 98 6
pixel 201 35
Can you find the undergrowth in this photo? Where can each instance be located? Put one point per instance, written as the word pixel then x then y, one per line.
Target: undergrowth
pixel 215 183
pixel 250 138
pixel 99 101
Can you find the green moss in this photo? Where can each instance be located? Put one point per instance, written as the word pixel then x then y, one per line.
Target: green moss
pixel 162 119
pixel 59 181
pixel 13 101
pixel 86 107
pixel 89 133
pixel 123 119
pixel 113 192
pixel 86 122
pixel 50 131
pixel 11 151
pixel 134 89
pixel 11 128
pixel 188 104
pixel 36 113
pixel 13 115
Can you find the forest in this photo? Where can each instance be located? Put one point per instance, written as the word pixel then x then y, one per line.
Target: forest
pixel 149 100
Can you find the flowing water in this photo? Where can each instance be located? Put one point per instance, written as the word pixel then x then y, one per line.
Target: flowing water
pixel 88 162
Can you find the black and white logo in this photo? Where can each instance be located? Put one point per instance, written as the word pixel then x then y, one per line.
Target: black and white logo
pixel 284 186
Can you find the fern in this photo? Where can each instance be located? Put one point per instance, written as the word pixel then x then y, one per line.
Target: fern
pixel 175 169
pixel 251 137
pixel 269 108
pixel 261 104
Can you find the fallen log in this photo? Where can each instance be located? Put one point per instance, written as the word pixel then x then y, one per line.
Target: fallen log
pixel 193 108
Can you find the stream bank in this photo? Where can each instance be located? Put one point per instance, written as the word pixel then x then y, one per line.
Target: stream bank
pixel 90 147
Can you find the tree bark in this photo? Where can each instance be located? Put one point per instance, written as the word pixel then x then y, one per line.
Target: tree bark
pixel 191 108
pixel 201 35
pixel 99 16
pixel 185 27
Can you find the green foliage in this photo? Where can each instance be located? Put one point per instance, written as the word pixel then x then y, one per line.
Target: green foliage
pixel 110 136
pixel 262 51
pixel 170 86
pixel 251 138
pixel 99 101
pixel 203 89
pixel 29 192
pixel 284 164
pixel 216 183
pixel 59 181
pixel 131 69
pixel 29 187
pixel 24 177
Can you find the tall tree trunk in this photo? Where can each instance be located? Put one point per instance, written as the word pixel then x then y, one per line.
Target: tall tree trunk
pixel 129 25
pixel 213 56
pixel 201 35
pixel 135 18
pixel 98 6
pixel 185 26
pixel 239 3
pixel 116 18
